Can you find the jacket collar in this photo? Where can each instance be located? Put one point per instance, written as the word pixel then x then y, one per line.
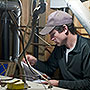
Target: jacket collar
pixel 77 46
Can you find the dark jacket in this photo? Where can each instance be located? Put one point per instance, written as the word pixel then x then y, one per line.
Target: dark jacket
pixel 76 73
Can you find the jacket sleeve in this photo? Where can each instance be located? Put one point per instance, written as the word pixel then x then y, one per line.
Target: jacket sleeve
pixel 75 85
pixel 48 66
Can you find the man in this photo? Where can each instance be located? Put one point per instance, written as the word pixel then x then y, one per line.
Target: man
pixel 71 54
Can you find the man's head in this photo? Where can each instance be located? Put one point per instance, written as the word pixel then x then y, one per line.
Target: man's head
pixel 55 19
pixel 60 27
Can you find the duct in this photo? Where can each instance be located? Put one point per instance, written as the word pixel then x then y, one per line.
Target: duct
pixel 81 12
pixel 4 8
pixel 16 41
pixel 11 5
pixel 5 35
pixel 57 4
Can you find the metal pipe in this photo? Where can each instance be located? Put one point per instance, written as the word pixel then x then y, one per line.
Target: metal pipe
pixel 81 12
pixel 14 7
pixel 5 36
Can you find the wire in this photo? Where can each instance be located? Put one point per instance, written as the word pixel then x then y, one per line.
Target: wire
pixel 13 18
pixel 29 42
pixel 39 74
pixel 37 71
pixel 42 39
pixel 20 5
pixel 34 22
pixel 23 49
pixel 24 54
pixel 30 67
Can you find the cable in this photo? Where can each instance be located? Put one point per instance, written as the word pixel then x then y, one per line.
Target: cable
pixel 20 5
pixel 13 18
pixel 37 71
pixel 24 53
pixel 29 42
pixel 30 67
pixel 36 13
pixel 42 39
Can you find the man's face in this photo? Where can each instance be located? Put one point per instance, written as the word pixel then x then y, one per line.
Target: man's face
pixel 58 38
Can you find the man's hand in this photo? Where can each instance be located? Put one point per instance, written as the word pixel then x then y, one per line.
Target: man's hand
pixel 32 60
pixel 52 82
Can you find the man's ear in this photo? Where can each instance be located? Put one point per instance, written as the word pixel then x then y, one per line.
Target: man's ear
pixel 65 29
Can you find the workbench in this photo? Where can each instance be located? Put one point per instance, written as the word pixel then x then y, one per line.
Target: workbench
pixel 36 86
